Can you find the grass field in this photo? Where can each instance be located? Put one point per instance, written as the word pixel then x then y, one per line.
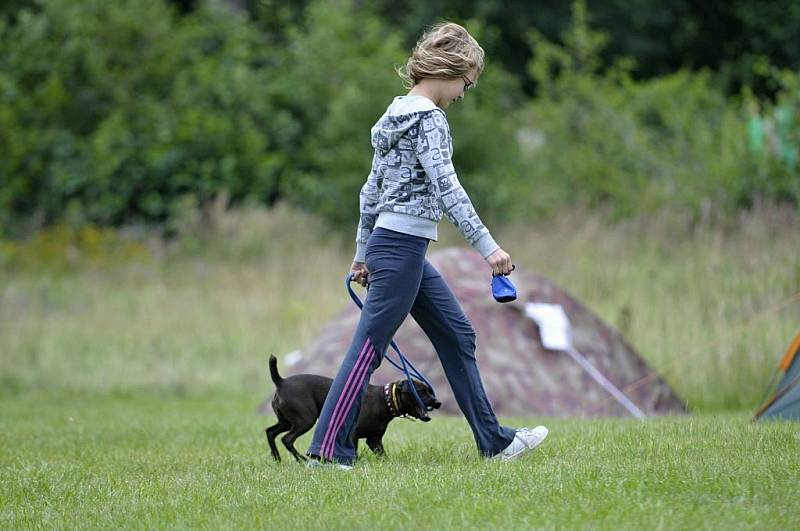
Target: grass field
pixel 129 387
pixel 160 461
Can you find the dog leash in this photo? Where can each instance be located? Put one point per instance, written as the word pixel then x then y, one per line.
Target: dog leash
pixel 405 362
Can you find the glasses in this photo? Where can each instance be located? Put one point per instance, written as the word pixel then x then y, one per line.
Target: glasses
pixel 468 83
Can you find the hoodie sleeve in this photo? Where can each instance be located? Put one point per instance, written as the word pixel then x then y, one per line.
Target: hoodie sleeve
pixel 368 204
pixel 433 148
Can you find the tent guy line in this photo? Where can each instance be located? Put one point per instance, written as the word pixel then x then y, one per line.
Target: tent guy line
pixel 677 363
pixel 556 334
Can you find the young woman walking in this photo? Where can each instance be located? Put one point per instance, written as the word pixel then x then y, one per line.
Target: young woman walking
pixel 411 184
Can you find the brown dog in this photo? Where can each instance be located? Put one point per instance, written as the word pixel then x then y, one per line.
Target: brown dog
pixel 298 402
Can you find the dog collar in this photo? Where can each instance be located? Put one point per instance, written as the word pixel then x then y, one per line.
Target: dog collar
pixel 390 395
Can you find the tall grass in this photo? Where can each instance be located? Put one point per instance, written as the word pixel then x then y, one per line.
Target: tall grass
pixel 183 319
pixel 203 312
pixel 711 308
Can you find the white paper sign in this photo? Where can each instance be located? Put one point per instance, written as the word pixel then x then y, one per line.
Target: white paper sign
pixel 554 326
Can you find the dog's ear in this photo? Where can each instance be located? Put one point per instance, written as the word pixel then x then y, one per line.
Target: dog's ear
pixel 404 394
pixel 402 390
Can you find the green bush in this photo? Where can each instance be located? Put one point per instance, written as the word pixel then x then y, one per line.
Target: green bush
pixel 116 110
pixel 124 112
pixel 595 135
pixel 336 79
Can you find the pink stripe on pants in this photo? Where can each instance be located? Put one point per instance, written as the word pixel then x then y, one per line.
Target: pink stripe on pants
pixel 351 386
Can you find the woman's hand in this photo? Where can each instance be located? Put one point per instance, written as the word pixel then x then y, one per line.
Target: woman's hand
pixel 500 262
pixel 360 273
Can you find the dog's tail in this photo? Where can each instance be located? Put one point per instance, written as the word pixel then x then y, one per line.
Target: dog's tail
pixel 273 371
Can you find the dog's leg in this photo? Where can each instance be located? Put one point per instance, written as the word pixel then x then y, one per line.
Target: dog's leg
pixel 274 431
pixel 375 444
pixel 294 433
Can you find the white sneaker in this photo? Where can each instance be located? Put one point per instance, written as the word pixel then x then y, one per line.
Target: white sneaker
pixel 525 440
pixel 316 463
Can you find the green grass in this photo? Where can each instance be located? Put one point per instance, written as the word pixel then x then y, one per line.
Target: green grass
pixel 130 377
pixel 150 460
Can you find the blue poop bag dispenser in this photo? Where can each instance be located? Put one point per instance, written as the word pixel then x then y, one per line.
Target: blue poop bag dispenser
pixel 502 288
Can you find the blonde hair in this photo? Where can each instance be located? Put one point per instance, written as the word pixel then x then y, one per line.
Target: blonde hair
pixel 446 50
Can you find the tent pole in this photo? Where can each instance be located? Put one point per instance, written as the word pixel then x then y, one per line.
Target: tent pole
pixel 605 383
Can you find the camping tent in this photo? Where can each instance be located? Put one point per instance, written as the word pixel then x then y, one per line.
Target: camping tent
pixel 785 402
pixel 521 376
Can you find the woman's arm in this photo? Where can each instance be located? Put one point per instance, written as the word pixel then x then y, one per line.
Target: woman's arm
pixel 433 146
pixel 368 205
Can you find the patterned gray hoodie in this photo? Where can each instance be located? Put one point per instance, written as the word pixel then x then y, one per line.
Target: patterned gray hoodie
pixel 413 181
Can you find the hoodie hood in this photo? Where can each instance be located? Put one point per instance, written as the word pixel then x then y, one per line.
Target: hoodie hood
pixel 403 113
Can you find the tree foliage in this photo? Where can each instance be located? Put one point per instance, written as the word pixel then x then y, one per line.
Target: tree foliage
pixel 114 111
pixel 134 111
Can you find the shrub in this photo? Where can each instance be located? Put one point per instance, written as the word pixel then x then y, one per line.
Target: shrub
pixel 595 135
pixel 118 109
pixel 125 112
